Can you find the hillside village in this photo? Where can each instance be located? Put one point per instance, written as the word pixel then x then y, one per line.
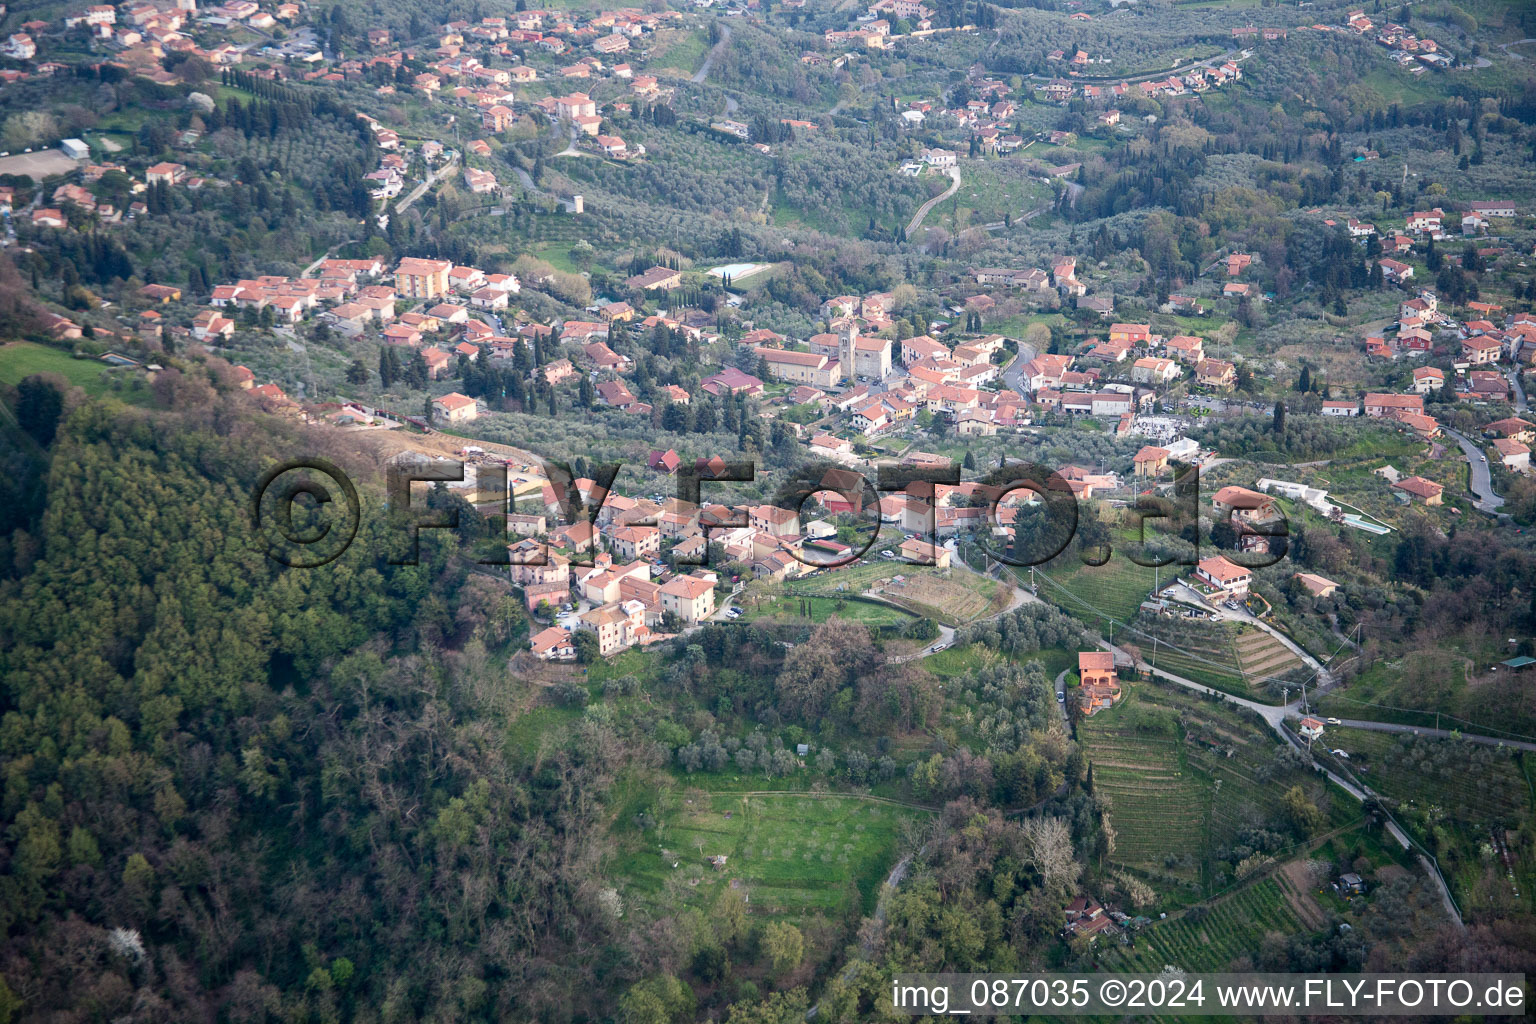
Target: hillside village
pixel 755 350
pixel 863 381
pixel 866 385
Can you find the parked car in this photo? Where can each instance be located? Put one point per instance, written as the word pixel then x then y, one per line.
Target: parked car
pixel 1333 721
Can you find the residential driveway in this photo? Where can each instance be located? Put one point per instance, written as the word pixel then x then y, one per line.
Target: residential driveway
pixel 1481 476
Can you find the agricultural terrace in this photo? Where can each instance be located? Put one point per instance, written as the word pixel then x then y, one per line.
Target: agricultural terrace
pixel 1201 939
pixel 1187 778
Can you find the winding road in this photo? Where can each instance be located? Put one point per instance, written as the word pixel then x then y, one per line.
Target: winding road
pixel 1481 477
pixel 922 211
pixel 1013 373
pixel 714 51
pixel 433 177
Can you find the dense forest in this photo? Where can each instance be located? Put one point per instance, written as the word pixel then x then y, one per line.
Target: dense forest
pixel 236 789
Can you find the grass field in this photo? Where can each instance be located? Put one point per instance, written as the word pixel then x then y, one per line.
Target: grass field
pixel 795 855
pixel 679 50
pixel 951 596
pixel 787 608
pixel 21 359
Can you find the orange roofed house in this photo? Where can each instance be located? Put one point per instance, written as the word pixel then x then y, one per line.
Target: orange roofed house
pixel 453 408
pixel 1217 572
pixel 1100 682
pixel 690 598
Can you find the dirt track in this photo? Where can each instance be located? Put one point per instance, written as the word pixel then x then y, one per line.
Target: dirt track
pixel 392 442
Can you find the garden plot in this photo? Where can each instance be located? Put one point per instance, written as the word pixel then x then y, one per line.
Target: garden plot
pixel 793 855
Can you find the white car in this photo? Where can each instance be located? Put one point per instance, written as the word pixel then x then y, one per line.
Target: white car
pixel 1061 698
pixel 1333 721
pixel 936 648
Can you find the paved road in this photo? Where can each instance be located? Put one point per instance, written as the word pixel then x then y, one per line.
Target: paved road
pixel 1439 734
pixel 922 211
pixel 714 51
pixel 1482 477
pixel 1243 616
pixel 1518 42
pixel 1013 373
pixel 433 177
pixel 1514 382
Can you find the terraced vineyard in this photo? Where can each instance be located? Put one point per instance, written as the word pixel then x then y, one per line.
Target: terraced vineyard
pixel 1205 652
pixel 1160 806
pixel 1261 654
pixel 1185 774
pixel 1234 926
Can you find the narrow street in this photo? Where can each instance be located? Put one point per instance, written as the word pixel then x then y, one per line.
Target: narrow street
pixel 1481 477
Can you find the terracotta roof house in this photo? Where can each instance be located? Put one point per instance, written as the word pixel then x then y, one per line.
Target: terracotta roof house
pixel 1100 687
pixel 657 278
pixel 1317 586
pixel 1224 575
pixel 1427 491
pixel 731 381
pixel 1151 460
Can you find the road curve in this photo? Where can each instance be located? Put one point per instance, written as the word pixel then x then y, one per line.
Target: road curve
pixel 922 211
pixel 714 51
pixel 1481 476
